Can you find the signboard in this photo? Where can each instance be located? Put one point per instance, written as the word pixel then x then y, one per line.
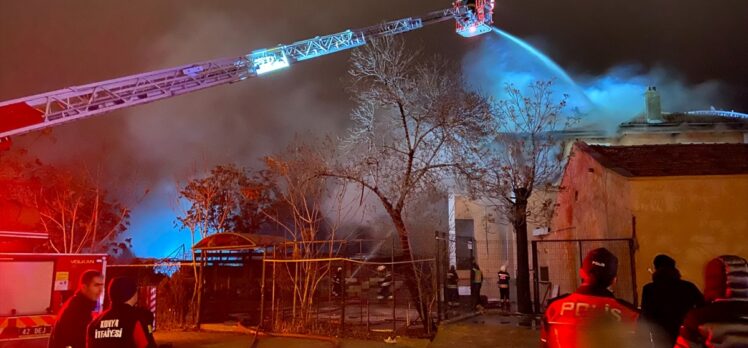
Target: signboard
pixel 62 281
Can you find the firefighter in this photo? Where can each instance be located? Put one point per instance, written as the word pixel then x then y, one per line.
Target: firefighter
pixel 504 288
pixel 337 283
pixel 591 316
pixel 385 283
pixel 723 322
pixel 122 324
pixel 453 296
pixel 77 312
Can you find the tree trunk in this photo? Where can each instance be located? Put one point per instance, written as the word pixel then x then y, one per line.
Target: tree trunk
pixel 411 274
pixel 519 221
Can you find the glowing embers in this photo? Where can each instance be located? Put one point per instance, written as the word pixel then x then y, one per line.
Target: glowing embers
pixel 265 61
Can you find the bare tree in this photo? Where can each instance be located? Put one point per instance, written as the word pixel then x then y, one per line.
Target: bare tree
pixel 73 208
pixel 414 127
pixel 310 211
pixel 525 155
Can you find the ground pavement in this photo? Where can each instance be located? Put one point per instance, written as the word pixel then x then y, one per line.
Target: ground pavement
pixel 493 331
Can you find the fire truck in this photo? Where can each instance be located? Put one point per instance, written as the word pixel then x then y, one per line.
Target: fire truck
pixel 33 288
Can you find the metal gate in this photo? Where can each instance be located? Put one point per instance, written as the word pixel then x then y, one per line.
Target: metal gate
pixel 556 266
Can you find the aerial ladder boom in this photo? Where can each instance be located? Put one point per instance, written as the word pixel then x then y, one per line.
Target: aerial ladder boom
pixel 45 110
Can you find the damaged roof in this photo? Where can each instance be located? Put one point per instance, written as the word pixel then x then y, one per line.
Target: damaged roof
pixel 671 159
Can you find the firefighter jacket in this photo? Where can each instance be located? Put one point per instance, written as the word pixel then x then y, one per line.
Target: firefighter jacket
pixel 452 279
pixel 386 280
pixel 503 279
pixel 120 326
pixel 587 317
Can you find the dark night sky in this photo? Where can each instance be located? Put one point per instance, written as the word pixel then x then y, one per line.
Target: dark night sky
pixel 46 45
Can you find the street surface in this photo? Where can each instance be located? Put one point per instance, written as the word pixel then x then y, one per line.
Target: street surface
pixel 492 331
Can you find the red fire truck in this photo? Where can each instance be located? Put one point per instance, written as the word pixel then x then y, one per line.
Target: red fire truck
pixel 33 288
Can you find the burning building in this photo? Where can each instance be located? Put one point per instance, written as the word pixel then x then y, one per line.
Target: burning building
pixel 492 237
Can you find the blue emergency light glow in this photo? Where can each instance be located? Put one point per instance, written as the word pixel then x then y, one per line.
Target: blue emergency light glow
pixel 270 63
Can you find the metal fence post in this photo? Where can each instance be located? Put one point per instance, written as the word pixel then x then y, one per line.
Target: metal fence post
pixel 439 287
pixel 536 280
pixel 343 295
pixel 394 289
pixel 262 293
pixel 632 255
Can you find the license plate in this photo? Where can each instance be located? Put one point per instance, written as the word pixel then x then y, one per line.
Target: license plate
pixel 35 331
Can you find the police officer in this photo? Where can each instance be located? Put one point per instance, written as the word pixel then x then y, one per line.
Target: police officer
pixel 591 316
pixel 504 288
pixel 121 325
pixel 70 328
pixel 453 296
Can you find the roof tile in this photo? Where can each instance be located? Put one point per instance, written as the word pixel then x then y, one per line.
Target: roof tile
pixel 672 159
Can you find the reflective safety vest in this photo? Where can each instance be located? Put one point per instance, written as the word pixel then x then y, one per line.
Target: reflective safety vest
pixel 478 276
pixel 503 279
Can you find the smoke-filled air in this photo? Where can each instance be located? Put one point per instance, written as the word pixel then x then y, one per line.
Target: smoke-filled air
pixel 605 100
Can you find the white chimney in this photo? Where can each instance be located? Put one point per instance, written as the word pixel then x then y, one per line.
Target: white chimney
pixel 652 104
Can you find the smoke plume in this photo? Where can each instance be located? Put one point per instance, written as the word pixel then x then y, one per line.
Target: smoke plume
pixel 605 100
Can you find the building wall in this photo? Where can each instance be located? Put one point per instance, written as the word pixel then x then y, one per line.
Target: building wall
pixel 494 242
pixel 592 203
pixel 692 219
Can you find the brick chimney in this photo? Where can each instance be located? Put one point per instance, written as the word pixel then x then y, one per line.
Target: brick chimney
pixel 652 104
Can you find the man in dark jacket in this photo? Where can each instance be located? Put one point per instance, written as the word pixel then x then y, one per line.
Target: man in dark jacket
pixel 453 294
pixel 724 321
pixel 667 300
pixel 77 312
pixel 122 325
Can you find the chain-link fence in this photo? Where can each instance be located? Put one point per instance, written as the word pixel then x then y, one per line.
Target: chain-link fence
pixel 349 297
pixel 557 263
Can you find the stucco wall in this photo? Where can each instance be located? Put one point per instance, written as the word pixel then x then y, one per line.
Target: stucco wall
pixel 492 236
pixel 693 219
pixel 593 202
